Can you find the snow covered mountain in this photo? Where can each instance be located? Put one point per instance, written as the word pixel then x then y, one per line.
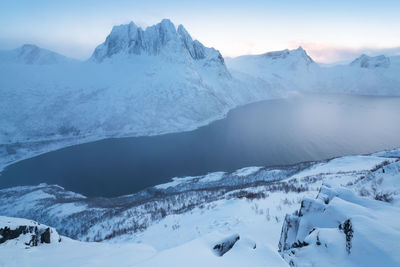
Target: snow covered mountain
pixel 289 70
pixel 33 55
pixel 158 40
pixel 348 206
pixel 138 82
pixel 294 70
pixel 365 61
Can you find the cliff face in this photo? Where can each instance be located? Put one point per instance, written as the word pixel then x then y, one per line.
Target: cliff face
pixel 339 227
pixel 162 39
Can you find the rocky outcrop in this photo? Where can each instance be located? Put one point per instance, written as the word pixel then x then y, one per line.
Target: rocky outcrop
pixel 25 232
pixel 340 223
pixel 347 229
pixel 226 244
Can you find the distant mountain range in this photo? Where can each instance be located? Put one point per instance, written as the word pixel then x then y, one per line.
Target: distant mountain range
pixel 294 70
pixel 153 81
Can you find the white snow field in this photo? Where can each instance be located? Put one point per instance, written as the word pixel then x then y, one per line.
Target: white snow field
pixel 345 213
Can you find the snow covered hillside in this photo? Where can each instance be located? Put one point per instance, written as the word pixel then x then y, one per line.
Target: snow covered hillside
pixel 189 221
pixel 288 70
pixel 32 55
pixel 138 82
pixel 294 70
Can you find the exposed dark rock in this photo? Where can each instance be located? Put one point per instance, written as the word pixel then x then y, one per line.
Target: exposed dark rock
pixel 225 245
pixel 34 240
pixel 45 236
pixel 318 242
pixel 347 228
pixel 289 232
pixel 299 244
pixel 7 234
pixel 36 234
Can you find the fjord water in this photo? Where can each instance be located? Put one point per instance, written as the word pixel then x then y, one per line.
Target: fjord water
pixel 267 133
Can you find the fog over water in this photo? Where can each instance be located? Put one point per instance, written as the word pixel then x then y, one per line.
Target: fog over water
pixel 267 133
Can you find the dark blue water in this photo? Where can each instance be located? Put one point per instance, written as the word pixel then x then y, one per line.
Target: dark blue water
pixel 275 132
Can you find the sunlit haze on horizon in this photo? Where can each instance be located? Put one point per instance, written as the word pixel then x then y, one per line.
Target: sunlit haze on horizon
pixel 330 31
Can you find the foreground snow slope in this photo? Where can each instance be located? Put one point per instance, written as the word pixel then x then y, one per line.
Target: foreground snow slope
pixel 138 82
pixel 74 253
pixel 179 224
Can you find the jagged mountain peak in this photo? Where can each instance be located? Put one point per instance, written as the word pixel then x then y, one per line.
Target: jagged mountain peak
pixel 303 53
pixel 162 38
pixel 365 61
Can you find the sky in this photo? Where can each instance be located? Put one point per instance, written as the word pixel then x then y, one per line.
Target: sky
pixel 330 31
